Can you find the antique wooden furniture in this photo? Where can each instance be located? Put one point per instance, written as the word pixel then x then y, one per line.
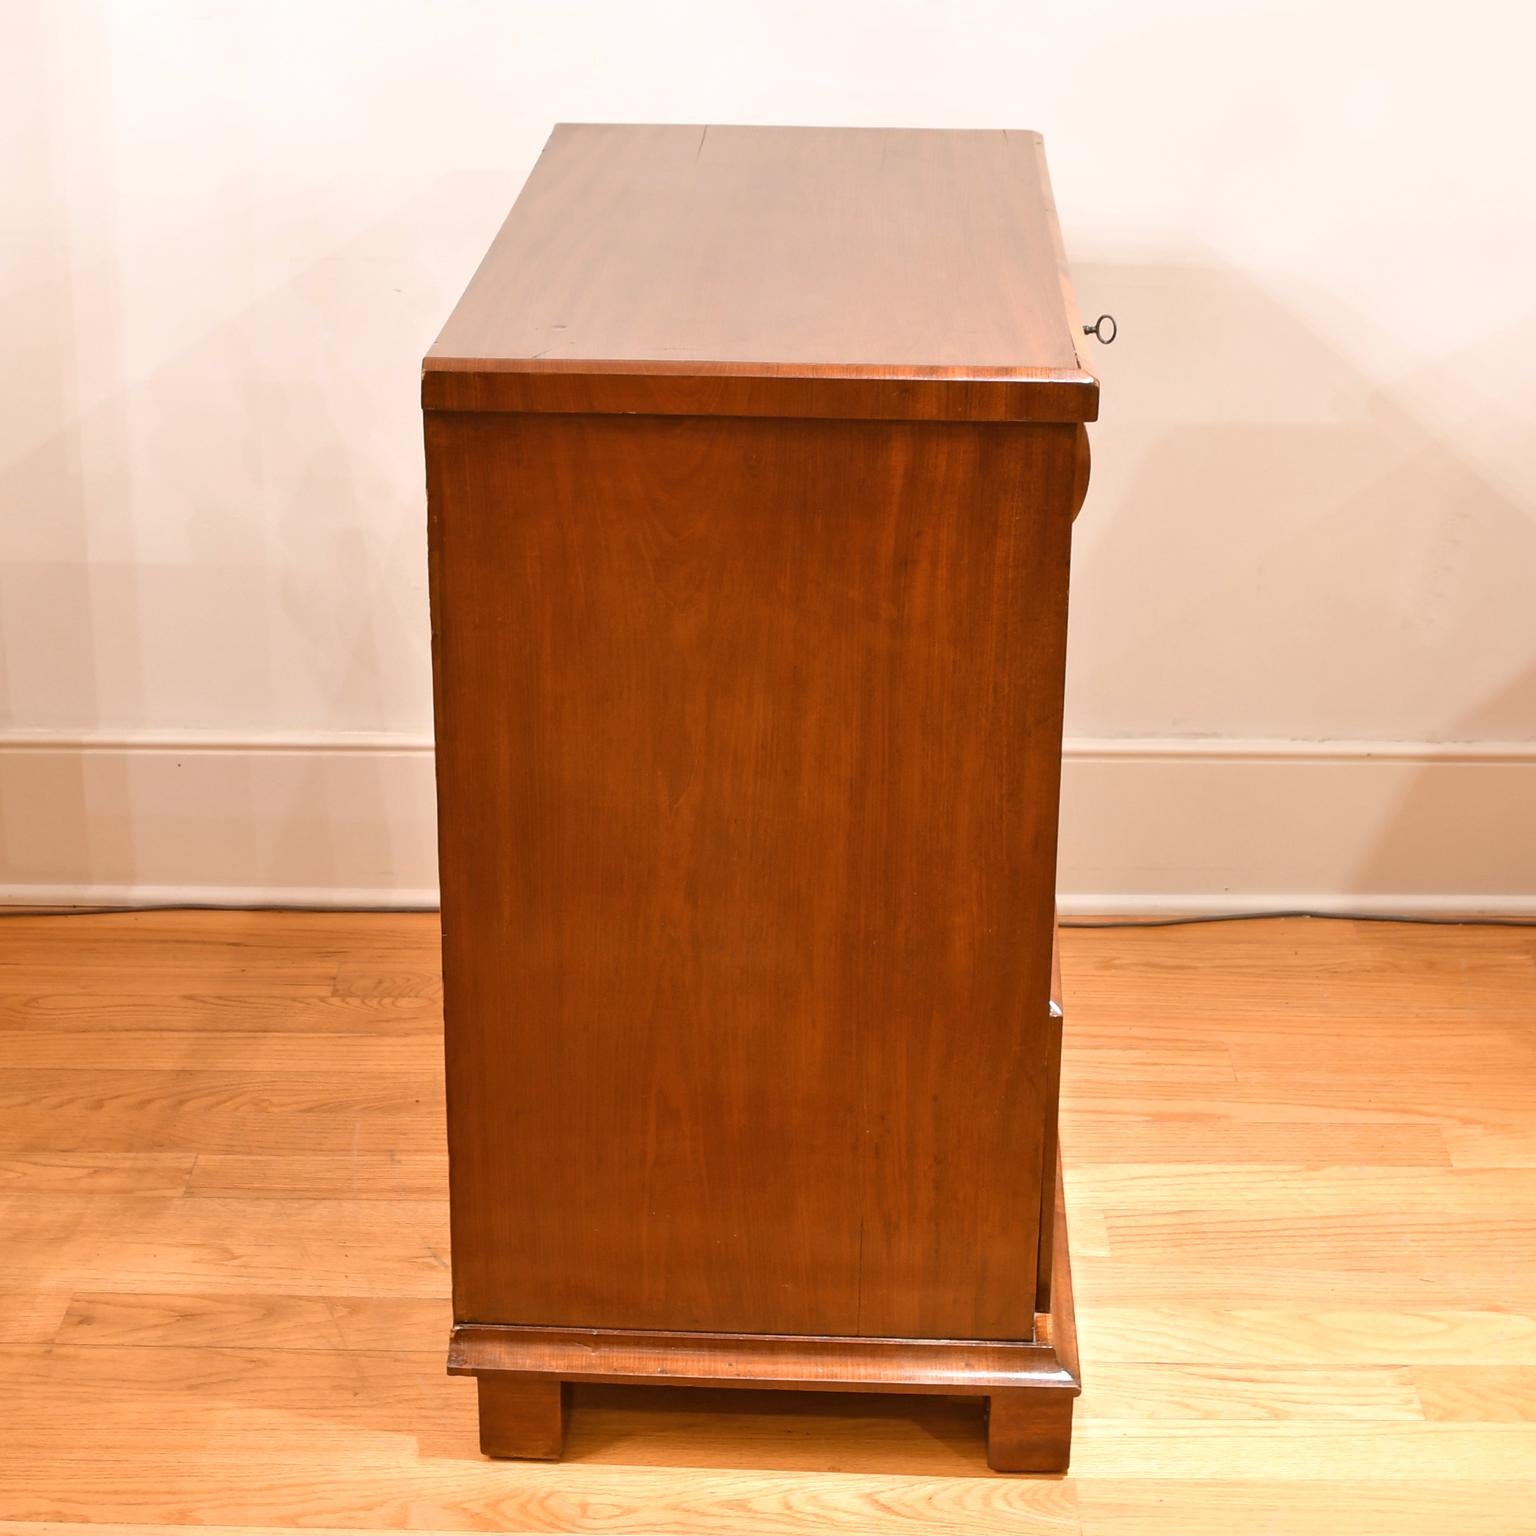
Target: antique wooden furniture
pixel 752 458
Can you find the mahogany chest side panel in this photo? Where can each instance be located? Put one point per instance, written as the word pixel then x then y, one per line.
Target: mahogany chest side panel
pixel 748 742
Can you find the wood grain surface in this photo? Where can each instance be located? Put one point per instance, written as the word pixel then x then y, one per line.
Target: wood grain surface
pixel 852 272
pixel 748 760
pixel 182 1347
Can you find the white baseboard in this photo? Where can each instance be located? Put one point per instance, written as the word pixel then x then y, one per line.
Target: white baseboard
pixel 1148 826
pixel 1189 827
pixel 317 820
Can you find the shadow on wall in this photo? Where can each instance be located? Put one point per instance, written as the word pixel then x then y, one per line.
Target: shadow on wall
pixel 198 527
pixel 1469 817
pixel 1279 544
pixel 56 620
pixel 1276 546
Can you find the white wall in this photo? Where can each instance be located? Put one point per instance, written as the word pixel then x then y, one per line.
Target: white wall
pixel 1308 558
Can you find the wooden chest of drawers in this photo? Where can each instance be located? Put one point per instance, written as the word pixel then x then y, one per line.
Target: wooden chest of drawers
pixel 752 459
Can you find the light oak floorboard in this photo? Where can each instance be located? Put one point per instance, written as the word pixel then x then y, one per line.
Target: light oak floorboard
pixel 1301 1176
pixel 1478 1394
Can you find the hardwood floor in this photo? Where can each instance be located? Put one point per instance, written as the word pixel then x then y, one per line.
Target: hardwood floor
pixel 1301 1171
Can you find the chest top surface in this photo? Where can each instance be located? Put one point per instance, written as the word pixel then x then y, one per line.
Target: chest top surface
pixel 773 271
